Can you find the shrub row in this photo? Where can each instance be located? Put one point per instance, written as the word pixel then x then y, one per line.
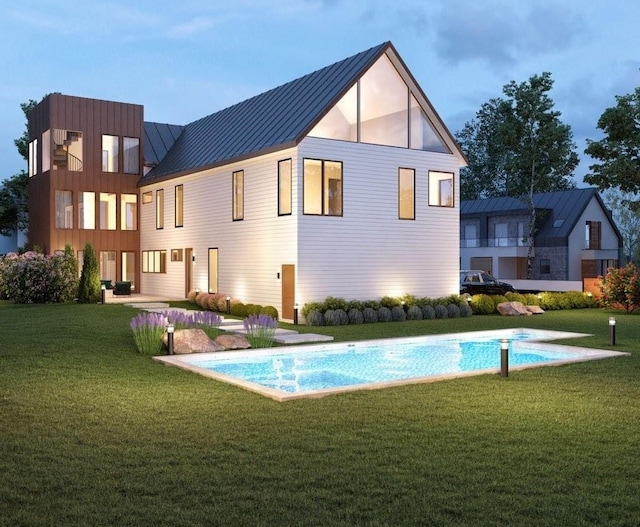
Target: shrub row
pixel 549 301
pixel 389 302
pixel 368 315
pixel 218 302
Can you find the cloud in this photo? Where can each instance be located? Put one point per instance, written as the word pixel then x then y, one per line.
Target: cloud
pixel 193 27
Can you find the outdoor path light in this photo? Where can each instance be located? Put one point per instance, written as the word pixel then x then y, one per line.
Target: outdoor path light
pixel 228 305
pixel 504 357
pixel 103 293
pixel 612 331
pixel 295 314
pixel 170 338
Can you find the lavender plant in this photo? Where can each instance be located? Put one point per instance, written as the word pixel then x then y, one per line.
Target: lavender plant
pixel 205 320
pixel 260 330
pixel 148 329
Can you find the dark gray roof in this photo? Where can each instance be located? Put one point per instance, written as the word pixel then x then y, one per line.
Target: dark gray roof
pixel 276 119
pixel 158 139
pixel 560 211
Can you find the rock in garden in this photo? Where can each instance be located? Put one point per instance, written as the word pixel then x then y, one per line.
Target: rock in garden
pixel 192 341
pixel 512 309
pixel 535 310
pixel 232 342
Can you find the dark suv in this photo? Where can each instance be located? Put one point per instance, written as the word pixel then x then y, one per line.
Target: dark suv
pixel 479 282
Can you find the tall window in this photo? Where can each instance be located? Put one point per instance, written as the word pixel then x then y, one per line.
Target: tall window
pixel 322 187
pixel 129 212
pixel 87 210
pixel 440 189
pixel 108 265
pixel 407 194
pixel 593 235
pixel 108 211
pixel 238 195
pixel 109 153
pixel 64 209
pixel 64 150
pixel 131 155
pixel 33 157
pixel 501 234
pixel 154 261
pixel 160 209
pixel 284 187
pixel 179 205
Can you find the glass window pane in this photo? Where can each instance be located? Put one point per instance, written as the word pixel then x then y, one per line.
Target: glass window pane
pixel 64 209
pixel 46 150
pixel 129 212
pixel 131 155
pixel 312 202
pixel 284 187
pixel 108 211
pixel 441 189
pixel 238 195
pixel 384 106
pixel 341 122
pixel 423 135
pixel 109 153
pixel 179 205
pixel 406 194
pixel 160 209
pixel 87 210
pixel 333 188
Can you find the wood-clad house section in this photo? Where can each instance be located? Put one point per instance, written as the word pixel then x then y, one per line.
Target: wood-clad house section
pixel 88 120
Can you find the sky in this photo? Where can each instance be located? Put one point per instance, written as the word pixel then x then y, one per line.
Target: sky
pixel 184 60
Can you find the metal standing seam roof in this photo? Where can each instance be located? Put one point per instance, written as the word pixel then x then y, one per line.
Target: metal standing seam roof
pixel 158 139
pixel 566 205
pixel 273 120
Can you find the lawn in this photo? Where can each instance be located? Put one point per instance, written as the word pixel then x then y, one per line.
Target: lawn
pixel 91 433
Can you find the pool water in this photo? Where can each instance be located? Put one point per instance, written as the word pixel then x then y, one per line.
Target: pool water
pixel 319 370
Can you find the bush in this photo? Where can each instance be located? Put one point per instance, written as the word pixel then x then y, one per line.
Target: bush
pixel 268 310
pixel 148 329
pixel 384 314
pixel 355 316
pixel 370 315
pixel 260 330
pixel 621 287
pixel 89 291
pixel 390 302
pixel 314 318
pixel 465 309
pixel 428 312
pixel 253 309
pixel 333 303
pixel 398 314
pixel 414 313
pixel 482 305
pixel 516 297
pixel 312 306
pixel 453 311
pixel 498 299
pixel 239 310
pixel 441 311
pixel 331 318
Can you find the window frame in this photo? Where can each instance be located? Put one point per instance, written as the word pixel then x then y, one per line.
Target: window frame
pixel 436 195
pixel 285 191
pixel 237 195
pixel 113 156
pixel 159 209
pixel 179 206
pixel 154 261
pixel 324 199
pixel 412 171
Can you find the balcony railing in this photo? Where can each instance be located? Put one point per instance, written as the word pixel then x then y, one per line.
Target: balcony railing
pixel 493 242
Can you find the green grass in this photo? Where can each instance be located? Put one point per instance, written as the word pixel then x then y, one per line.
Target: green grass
pixel 91 433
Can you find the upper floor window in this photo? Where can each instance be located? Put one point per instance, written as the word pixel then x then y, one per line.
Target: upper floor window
pixel 407 194
pixel 108 211
pixel 440 189
pixel 593 235
pixel 147 197
pixel 64 209
pixel 284 187
pixel 63 149
pixel 131 155
pixel 129 212
pixel 238 195
pixel 33 157
pixel 160 209
pixel 154 261
pixel 322 182
pixel 109 153
pixel 179 205
pixel 87 210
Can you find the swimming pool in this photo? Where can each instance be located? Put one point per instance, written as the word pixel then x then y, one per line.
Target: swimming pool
pixel 318 370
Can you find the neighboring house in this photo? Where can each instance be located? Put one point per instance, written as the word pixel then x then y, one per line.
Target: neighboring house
pixel 343 182
pixel 9 244
pixel 575 236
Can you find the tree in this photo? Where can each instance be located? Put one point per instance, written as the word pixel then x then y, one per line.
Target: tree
pixel 517 146
pixel 89 289
pixel 625 209
pixel 13 204
pixel 619 150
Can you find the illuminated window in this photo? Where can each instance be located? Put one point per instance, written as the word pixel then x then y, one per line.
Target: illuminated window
pixel 160 209
pixel 33 157
pixel 154 261
pixel 238 195
pixel 109 153
pixel 284 187
pixel 176 255
pixel 87 210
pixel 108 211
pixel 441 189
pixel 129 212
pixel 407 194
pixel 322 187
pixel 147 197
pixel 131 155
pixel 179 205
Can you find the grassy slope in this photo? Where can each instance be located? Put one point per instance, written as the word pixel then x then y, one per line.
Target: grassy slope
pixel 93 434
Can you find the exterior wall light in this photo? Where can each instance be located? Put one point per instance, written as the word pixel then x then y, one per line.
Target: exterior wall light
pixel 504 357
pixel 170 329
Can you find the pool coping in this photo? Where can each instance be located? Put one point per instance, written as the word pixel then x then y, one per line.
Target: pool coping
pixel 185 361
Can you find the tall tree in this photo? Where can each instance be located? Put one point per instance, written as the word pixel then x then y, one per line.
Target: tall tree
pixel 625 209
pixel 517 146
pixel 619 150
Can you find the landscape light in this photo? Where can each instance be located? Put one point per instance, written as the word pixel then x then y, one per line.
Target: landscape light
pixel 612 331
pixel 170 329
pixel 295 314
pixel 103 293
pixel 228 305
pixel 504 357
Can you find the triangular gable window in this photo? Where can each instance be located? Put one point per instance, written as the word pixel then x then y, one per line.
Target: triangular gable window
pixel 389 114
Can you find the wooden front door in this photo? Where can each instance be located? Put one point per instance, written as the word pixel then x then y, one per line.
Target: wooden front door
pixel 288 290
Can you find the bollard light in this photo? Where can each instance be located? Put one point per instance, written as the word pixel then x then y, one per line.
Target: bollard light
pixel 103 293
pixel 295 314
pixel 228 305
pixel 170 329
pixel 504 357
pixel 612 331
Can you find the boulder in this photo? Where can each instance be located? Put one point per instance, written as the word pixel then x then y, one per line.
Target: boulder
pixel 230 341
pixel 535 310
pixel 192 341
pixel 512 309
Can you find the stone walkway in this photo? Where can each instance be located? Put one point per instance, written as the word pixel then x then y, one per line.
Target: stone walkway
pixel 282 336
